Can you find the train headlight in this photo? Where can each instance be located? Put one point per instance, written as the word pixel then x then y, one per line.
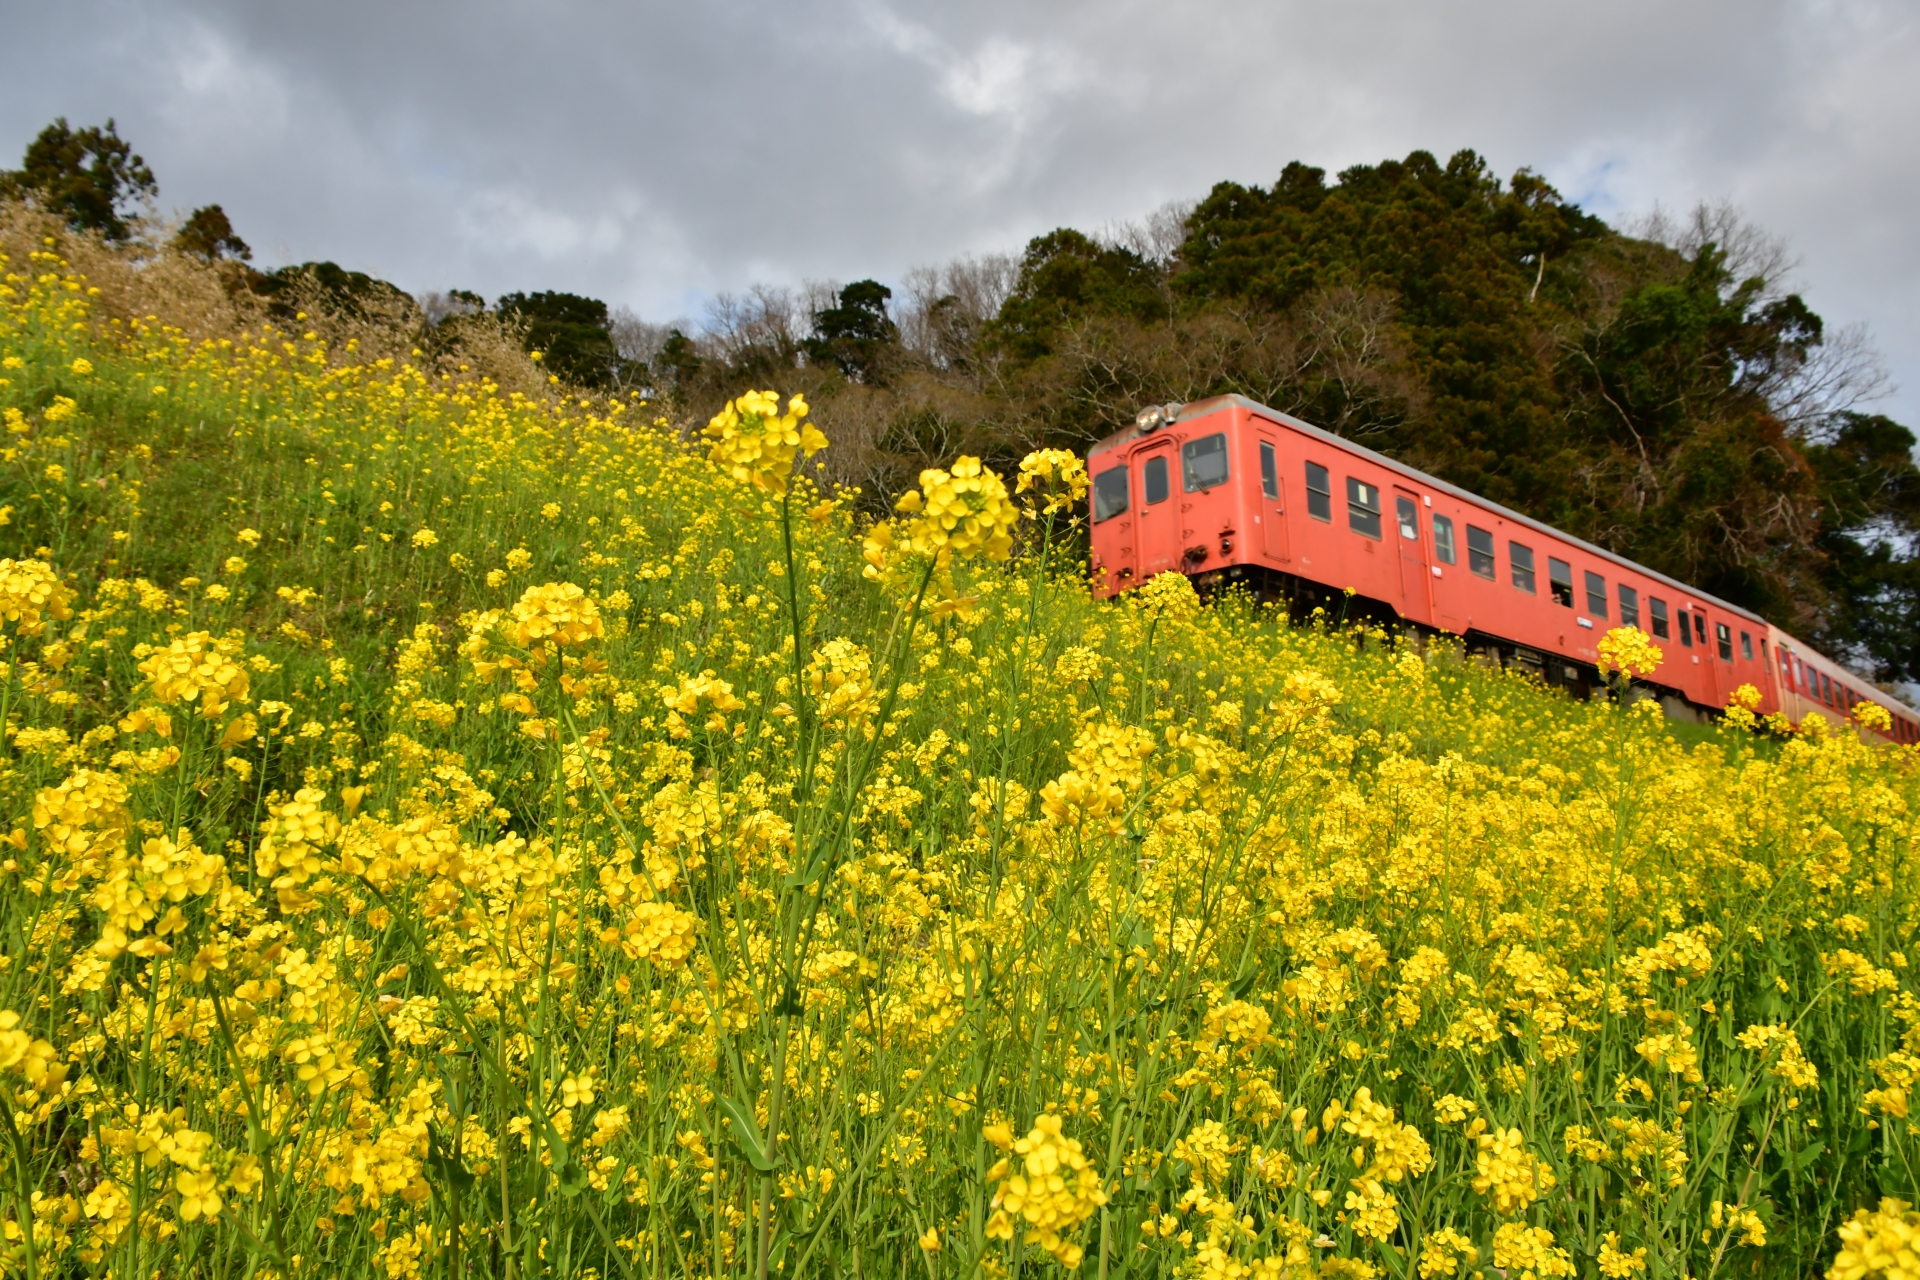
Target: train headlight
pixel 1155 416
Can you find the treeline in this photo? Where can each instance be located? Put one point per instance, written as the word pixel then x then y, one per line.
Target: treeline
pixel 1658 391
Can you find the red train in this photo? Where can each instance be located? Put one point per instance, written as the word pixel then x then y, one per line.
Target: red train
pixel 1226 489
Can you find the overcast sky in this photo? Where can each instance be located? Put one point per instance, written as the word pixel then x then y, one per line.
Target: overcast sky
pixel 653 154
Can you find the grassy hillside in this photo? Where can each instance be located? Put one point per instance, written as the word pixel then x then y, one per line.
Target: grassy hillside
pixel 461 831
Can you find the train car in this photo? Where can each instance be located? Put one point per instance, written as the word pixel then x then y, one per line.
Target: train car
pixel 1810 683
pixel 1227 489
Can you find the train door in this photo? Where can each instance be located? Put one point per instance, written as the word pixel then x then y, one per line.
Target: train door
pixel 1157 529
pixel 1713 678
pixel 1271 512
pixel 1414 574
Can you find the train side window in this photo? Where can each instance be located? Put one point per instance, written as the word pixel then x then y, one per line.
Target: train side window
pixel 1408 515
pixel 1560 581
pixel 1746 646
pixel 1724 634
pixel 1826 688
pixel 1269 471
pixel 1596 595
pixel 1686 632
pixel 1480 552
pixel 1443 539
pixel 1700 627
pixel 1522 558
pixel 1203 463
pixel 1363 507
pixel 1155 476
pixel 1319 492
pixel 1629 606
pixel 1657 613
pixel 1109 494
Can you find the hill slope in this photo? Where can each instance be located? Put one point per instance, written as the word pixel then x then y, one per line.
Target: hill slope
pixel 468 831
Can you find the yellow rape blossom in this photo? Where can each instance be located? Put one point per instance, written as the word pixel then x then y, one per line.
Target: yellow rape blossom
pixel 756 443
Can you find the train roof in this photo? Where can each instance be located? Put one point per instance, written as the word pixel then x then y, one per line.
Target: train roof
pixel 1200 408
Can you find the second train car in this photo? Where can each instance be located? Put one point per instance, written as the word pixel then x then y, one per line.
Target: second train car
pixel 1227 488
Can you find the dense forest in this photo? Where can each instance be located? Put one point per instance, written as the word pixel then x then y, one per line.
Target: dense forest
pixel 1657 390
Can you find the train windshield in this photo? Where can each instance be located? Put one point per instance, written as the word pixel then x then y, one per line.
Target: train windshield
pixel 1109 493
pixel 1203 462
pixel 1154 478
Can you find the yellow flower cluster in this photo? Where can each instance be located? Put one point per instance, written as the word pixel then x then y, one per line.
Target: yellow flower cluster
pixel 30 594
pixel 960 513
pixel 1046 1182
pixel 683 701
pixel 1056 478
pixel 1883 1244
pixel 840 678
pixel 1443 1252
pixel 26 1055
pixel 84 817
pixel 659 932
pixel 1510 1176
pixel 1106 759
pixel 1783 1045
pixel 1630 651
pixel 198 666
pixel 1529 1253
pixel 754 442
pixel 1743 1224
pixel 556 612
pixel 131 895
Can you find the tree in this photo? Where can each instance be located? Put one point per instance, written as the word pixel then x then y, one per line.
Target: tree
pixel 1066 274
pixel 209 236
pixel 90 177
pixel 571 333
pixel 1869 490
pixel 857 334
pixel 329 285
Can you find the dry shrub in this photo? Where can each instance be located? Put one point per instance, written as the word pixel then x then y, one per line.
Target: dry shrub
pixel 147 280
pixel 135 281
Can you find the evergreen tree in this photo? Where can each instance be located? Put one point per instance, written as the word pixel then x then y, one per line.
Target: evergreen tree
pixel 209 236
pixel 571 333
pixel 91 177
pixel 856 335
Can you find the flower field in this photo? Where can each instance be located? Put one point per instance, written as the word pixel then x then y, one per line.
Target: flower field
pixel 453 831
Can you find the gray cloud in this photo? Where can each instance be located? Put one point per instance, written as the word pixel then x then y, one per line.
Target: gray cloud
pixel 654 154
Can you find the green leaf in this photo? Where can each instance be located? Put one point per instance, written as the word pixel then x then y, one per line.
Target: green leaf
pixel 746 1136
pixel 445 1164
pixel 806 876
pixel 573 1179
